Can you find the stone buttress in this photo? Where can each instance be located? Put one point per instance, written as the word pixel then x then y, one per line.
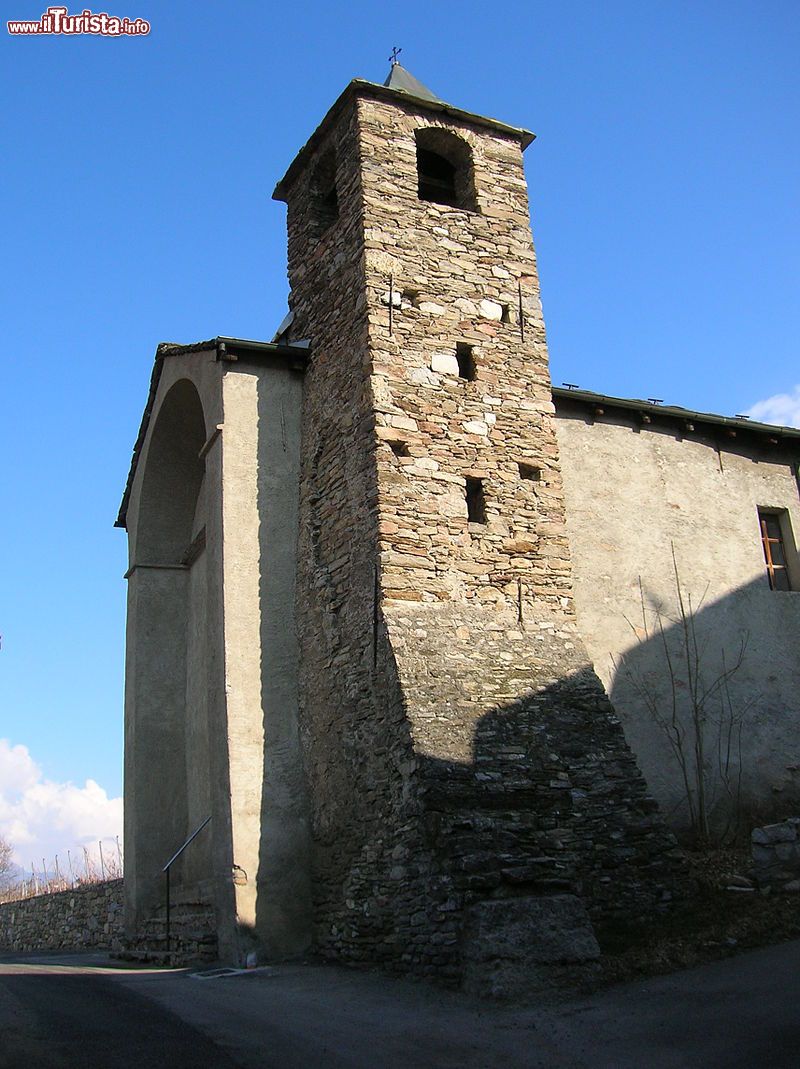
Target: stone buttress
pixel 210 705
pixel 459 749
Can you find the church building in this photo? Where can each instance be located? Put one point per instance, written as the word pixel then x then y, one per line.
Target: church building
pixel 385 583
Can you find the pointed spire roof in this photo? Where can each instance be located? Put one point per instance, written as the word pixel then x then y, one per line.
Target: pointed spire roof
pixel 400 78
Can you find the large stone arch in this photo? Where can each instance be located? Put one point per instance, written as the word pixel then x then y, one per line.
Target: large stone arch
pixel 172 478
pixel 166 702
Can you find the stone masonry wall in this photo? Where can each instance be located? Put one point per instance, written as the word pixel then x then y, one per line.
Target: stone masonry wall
pixel 85 917
pixel 776 855
pixel 354 734
pixel 526 780
pixel 458 744
pixel 458 275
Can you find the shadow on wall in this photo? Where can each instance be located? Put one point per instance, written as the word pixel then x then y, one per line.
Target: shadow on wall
pixel 547 836
pixel 404 785
pixel 546 801
pixel 709 697
pixel 552 803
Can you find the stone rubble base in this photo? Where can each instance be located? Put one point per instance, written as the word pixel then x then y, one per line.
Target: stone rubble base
pixel 776 855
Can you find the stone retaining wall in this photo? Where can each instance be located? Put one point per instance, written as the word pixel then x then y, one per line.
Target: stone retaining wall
pixel 85 917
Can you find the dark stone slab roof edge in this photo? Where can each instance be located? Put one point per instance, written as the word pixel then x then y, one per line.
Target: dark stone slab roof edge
pixel 672 413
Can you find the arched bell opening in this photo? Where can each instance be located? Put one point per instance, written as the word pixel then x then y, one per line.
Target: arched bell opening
pixel 445 169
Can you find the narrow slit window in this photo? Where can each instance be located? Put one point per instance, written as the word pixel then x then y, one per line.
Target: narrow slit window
pixel 774 550
pixel 324 197
pixel 476 501
pixel 466 361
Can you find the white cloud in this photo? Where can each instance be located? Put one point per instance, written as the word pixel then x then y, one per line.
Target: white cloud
pixel 41 818
pixel 783 409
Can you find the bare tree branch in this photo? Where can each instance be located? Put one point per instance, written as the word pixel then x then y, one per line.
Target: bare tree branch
pixel 698 716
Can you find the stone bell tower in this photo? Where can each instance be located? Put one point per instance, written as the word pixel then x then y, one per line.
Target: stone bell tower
pixel 351 638
pixel 464 766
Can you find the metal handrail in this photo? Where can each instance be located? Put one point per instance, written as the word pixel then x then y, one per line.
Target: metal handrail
pixel 166 869
pixel 180 850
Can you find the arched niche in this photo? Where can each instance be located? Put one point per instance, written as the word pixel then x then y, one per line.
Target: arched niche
pixel 172 478
pixel 165 656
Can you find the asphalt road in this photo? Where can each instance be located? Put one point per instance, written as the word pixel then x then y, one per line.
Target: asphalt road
pixel 65 1017
pixel 79 1010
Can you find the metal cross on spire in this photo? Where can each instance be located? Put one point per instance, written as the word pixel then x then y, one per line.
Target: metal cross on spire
pixel 393 58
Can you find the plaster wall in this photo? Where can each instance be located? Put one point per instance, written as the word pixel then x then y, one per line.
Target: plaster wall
pixel 261 451
pixel 175 738
pixel 633 493
pixel 211 702
pixel 196 862
pixel 155 783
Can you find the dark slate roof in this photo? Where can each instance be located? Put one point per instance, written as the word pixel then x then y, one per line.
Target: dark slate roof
pixel 233 348
pixel 400 78
pixel 652 413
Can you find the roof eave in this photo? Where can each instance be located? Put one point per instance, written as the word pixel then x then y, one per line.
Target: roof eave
pixel 674 412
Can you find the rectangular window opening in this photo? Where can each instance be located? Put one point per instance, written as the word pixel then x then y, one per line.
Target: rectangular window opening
pixel 773 544
pixel 476 501
pixel 400 449
pixel 530 472
pixel 505 316
pixel 466 361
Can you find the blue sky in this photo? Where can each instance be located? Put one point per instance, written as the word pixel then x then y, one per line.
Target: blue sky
pixel 137 178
